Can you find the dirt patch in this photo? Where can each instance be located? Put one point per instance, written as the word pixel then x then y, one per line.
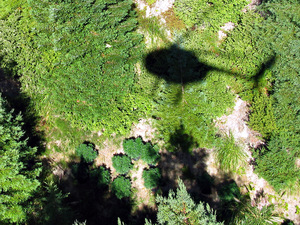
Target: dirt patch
pixel 156 9
pixel 143 129
pixel 106 152
pixel 143 195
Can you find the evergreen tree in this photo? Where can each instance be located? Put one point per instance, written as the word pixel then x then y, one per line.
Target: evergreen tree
pixel 17 178
pixel 179 208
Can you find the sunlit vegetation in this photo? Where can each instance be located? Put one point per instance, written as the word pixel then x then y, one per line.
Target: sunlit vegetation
pixel 82 73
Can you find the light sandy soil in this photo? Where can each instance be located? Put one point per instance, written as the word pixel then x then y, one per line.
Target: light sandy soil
pixel 156 9
pixel 106 152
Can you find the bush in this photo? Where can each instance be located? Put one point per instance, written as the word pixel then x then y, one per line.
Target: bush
pixel 151 177
pixel 121 186
pixel 122 163
pixel 150 154
pixel 101 175
pixel 86 152
pixel 133 147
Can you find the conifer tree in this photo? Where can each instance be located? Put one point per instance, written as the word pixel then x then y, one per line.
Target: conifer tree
pixel 179 208
pixel 17 181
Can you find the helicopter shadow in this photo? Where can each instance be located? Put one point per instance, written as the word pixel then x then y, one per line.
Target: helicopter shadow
pixel 178 66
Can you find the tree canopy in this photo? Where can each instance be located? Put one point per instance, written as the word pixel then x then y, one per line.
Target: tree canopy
pixel 17 181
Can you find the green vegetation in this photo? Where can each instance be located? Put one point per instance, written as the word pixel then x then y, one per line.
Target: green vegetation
pixel 214 13
pixel 180 208
pixel 86 152
pixel 101 175
pixel 122 163
pixel 135 148
pixel 121 186
pixel 89 71
pixel 18 176
pixel 280 32
pixel 151 177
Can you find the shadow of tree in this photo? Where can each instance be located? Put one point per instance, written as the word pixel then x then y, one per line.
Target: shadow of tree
pixel 10 89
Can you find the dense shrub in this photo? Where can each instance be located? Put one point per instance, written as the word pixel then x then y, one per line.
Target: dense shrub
pixel 87 72
pixel 101 176
pixel 86 152
pixel 150 154
pixel 121 186
pixel 122 163
pixel 279 116
pixel 133 147
pixel 136 148
pixel 151 177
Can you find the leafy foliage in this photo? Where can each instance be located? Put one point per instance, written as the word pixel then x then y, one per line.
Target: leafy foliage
pixel 151 177
pixel 280 32
pixel 212 13
pixel 76 45
pixel 179 208
pixel 262 117
pixel 121 186
pixel 86 152
pixel 18 177
pixel 122 163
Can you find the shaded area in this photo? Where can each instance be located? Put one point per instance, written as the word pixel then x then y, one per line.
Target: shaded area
pixel 189 164
pixel 10 89
pixel 93 202
pixel 178 66
pixel 180 141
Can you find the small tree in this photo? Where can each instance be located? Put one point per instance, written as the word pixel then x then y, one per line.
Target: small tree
pixel 179 208
pixel 86 152
pixel 121 186
pixel 122 163
pixel 151 177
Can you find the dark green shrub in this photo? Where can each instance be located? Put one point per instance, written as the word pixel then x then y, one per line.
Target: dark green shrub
pixel 133 147
pixel 136 148
pixel 101 176
pixel 150 154
pixel 122 163
pixel 86 152
pixel 81 171
pixel 151 177
pixel 121 187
